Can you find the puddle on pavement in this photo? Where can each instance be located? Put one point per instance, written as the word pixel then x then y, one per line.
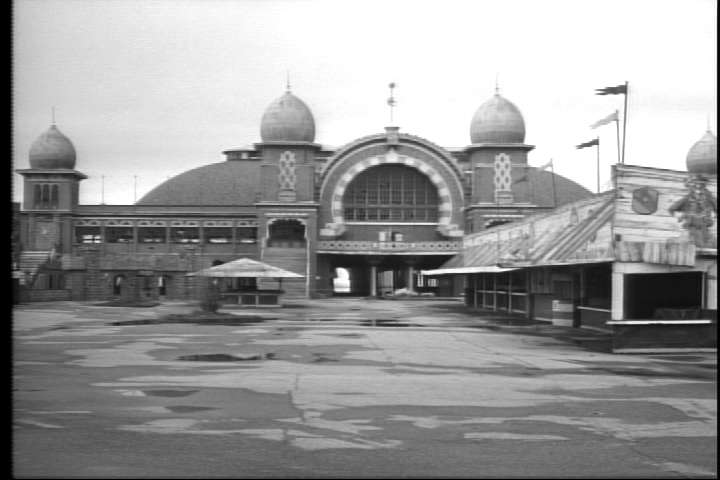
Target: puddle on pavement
pixel 323 357
pixel 679 358
pixel 229 320
pixel 349 335
pixel 224 357
pixel 187 408
pixel 386 323
pixel 644 372
pixel 169 393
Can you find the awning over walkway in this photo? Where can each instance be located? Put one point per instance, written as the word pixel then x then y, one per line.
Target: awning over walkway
pixel 460 270
pixel 245 267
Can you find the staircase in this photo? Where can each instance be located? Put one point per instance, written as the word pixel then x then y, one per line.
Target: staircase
pixel 292 259
pixel 31 261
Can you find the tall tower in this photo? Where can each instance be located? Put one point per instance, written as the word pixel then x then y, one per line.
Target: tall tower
pixel 51 193
pixel 286 201
pixel 498 158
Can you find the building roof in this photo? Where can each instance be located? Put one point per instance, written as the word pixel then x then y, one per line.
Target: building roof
pixel 287 119
pixel 52 150
pixel 557 243
pixel 702 157
pixel 497 120
pixel 224 183
pixel 540 185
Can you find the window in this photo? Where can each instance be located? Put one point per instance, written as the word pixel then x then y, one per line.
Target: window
pixel 152 235
pixel 371 194
pixel 119 234
pixel 218 235
pixel 46 195
pixel 88 235
pixel 54 197
pixel 185 235
pixel 286 233
pixel 246 235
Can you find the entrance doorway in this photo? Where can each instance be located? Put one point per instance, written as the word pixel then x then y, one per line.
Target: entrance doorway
pixel 341 281
pixel 351 275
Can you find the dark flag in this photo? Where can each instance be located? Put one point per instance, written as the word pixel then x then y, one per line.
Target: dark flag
pixel 589 144
pixel 612 90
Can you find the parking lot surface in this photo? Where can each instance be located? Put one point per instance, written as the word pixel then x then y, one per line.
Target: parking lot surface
pixel 348 388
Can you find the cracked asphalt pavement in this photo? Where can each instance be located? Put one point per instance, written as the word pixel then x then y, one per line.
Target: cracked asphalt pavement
pixel 348 388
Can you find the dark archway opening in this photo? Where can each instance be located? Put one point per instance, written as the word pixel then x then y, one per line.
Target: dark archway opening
pixel 286 234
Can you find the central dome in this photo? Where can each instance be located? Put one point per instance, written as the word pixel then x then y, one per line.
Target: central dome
pixel 52 150
pixel 497 121
pixel 287 119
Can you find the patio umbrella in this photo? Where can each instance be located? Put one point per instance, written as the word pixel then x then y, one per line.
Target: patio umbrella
pixel 245 267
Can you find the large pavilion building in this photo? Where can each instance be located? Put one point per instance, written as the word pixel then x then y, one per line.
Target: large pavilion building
pixel 381 209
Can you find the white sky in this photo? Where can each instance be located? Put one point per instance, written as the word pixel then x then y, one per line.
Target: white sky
pixel 155 87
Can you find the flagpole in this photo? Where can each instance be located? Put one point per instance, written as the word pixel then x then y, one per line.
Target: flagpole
pixel 617 130
pixel 624 123
pixel 597 144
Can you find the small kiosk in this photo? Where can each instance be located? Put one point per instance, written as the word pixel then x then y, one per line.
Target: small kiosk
pixel 247 294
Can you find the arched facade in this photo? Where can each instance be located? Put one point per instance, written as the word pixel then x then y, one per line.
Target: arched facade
pixel 429 160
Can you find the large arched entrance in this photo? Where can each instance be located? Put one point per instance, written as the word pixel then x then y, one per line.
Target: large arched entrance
pixel 390 206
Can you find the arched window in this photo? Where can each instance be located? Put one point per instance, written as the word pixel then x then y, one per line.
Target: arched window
pixel 45 199
pixel 288 233
pixel 54 197
pixel 37 197
pixel 391 193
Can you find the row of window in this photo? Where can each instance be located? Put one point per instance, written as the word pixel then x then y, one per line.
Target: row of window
pixel 186 235
pixel 395 193
pixel 409 214
pixel 391 185
pixel 46 195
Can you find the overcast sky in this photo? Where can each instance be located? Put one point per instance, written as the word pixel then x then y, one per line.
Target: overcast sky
pixel 156 87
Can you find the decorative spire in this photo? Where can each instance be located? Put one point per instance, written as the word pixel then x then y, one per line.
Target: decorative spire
pixel 391 101
pixel 287 74
pixel 53 114
pixel 497 84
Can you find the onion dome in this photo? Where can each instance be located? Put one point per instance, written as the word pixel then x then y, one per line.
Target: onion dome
pixel 702 157
pixel 287 119
pixel 497 121
pixel 52 150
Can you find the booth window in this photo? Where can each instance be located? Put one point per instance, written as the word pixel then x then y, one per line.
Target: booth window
pixel 152 235
pixel 119 234
pixel 246 235
pixel 88 235
pixel 185 235
pixel 217 234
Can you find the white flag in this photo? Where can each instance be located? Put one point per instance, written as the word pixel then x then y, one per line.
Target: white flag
pixel 613 117
pixel 546 166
